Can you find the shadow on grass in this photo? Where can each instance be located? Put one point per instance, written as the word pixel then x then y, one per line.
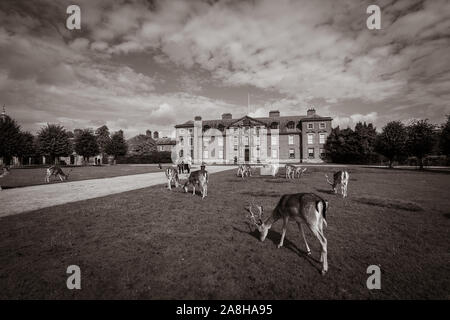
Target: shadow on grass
pixel 261 194
pixel 417 170
pixel 447 215
pixel 390 203
pixel 325 191
pixel 275 237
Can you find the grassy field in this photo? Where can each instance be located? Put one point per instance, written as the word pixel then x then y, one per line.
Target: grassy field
pixel 35 176
pixel 158 244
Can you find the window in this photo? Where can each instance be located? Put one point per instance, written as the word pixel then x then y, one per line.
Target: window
pixel 192 153
pixel 322 125
pixel 274 140
pixel 274 125
pixel 322 152
pixel 220 141
pixel 291 139
pixel 181 141
pixel 181 131
pixel 161 148
pixel 274 153
pixel 310 125
pixel 235 148
pixel 236 141
pixel 291 125
pixel 257 141
pixel 205 154
pixel 291 153
pixel 191 131
pixel 311 152
pixel 220 154
pixel 245 140
pixel 310 138
pixel 321 138
pixel 181 153
pixel 191 141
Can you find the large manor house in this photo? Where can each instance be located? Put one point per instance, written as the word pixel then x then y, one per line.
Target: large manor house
pixel 272 139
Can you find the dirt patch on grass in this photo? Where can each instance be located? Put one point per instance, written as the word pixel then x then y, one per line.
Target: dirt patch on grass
pixel 390 203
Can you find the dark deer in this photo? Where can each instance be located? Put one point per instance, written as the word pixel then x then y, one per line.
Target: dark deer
pixel 340 177
pixel 303 208
pixel 197 178
pixel 57 172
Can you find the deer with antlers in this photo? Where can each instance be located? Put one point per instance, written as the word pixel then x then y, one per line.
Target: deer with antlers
pixel 172 176
pixel 303 208
pixel 57 172
pixel 340 177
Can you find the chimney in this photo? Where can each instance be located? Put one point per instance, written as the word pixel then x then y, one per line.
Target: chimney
pixel 198 118
pixel 148 133
pixel 274 113
pixel 227 116
pixel 155 135
pixel 311 112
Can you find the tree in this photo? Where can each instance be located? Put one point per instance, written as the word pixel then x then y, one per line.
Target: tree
pixel 86 144
pixel 391 141
pixel 444 138
pixel 10 138
pixel 103 138
pixel 420 139
pixel 27 146
pixel 54 142
pixel 117 146
pixel 141 145
pixel 365 135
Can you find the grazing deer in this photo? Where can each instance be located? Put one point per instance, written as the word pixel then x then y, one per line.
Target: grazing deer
pixel 299 171
pixel 244 170
pixel 198 178
pixel 304 208
pixel 290 171
pixel 57 172
pixel 172 175
pixel 5 172
pixel 340 177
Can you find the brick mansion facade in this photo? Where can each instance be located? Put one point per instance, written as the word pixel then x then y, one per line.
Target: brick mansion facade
pixel 272 139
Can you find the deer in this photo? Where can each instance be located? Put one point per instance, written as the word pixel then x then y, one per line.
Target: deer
pixel 172 175
pixel 299 171
pixel 197 178
pixel 304 208
pixel 57 172
pixel 290 171
pixel 244 170
pixel 340 177
pixel 5 172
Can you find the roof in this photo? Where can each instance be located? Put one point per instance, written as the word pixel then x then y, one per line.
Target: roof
pixel 187 124
pixel 165 141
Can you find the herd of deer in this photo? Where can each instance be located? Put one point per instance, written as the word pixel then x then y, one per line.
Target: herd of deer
pixel 304 208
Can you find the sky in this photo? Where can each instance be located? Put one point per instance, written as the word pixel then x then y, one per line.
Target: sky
pixel 149 65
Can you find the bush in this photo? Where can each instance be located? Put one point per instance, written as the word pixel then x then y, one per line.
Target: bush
pixel 154 157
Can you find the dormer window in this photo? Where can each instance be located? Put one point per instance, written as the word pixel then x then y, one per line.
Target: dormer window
pixel 310 125
pixel 322 125
pixel 290 125
pixel 274 125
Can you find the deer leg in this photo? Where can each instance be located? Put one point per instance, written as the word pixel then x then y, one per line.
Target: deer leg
pixel 283 233
pixel 193 190
pixel 323 243
pixel 308 251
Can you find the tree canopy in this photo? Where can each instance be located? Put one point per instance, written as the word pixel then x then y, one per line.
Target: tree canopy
pixel 86 144
pixel 391 142
pixel 117 146
pixel 54 142
pixel 10 138
pixel 421 139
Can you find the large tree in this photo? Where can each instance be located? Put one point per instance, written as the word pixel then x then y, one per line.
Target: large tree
pixel 117 146
pixel 365 135
pixel 103 138
pixel 391 141
pixel 86 144
pixel 421 139
pixel 54 142
pixel 10 138
pixel 444 138
pixel 27 147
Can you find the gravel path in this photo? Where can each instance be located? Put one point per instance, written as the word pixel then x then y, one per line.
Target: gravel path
pixel 19 200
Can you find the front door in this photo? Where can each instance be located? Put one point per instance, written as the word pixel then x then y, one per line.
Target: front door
pixel 247 155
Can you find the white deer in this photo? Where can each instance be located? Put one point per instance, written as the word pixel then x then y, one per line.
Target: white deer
pixel 340 177
pixel 304 208
pixel 172 175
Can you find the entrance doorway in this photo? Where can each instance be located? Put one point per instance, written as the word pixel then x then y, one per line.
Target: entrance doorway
pixel 247 155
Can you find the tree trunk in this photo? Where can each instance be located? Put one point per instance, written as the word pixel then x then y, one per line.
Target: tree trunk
pixel 420 163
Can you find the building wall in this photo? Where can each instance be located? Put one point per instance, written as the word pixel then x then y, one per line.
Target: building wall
pixel 316 145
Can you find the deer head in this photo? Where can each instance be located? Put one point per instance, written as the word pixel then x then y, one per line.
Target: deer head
pixel 257 220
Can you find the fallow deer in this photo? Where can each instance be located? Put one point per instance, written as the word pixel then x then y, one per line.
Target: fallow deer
pixel 172 175
pixel 340 177
pixel 244 170
pixel 299 171
pixel 198 178
pixel 57 172
pixel 290 171
pixel 303 208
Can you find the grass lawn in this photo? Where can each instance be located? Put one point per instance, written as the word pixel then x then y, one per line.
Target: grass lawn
pixel 159 244
pixel 35 176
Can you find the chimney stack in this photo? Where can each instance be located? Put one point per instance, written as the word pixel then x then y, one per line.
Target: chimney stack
pixel 155 135
pixel 227 116
pixel 311 112
pixel 148 133
pixel 274 113
pixel 198 118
